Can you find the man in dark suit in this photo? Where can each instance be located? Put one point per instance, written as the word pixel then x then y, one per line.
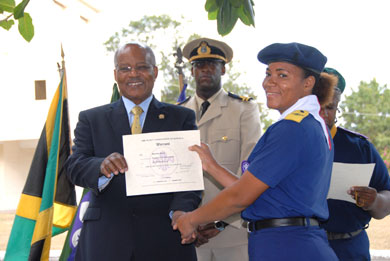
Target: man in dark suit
pixel 117 227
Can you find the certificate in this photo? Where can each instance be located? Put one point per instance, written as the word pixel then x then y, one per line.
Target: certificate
pixel 346 175
pixel 160 162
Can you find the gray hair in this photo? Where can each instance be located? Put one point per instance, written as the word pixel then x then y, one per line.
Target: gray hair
pixel 148 56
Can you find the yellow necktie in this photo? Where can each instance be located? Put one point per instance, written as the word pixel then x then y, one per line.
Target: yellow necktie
pixel 136 126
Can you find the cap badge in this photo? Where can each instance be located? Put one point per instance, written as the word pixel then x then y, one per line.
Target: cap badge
pixel 161 116
pixel 204 48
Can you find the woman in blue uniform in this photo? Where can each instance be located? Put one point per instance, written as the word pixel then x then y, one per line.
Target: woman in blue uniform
pixel 347 221
pixel 283 191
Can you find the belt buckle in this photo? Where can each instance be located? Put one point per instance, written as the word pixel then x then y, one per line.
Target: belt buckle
pixel 248 226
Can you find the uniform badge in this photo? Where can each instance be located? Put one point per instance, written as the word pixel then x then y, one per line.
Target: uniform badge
pixel 244 166
pixel 224 138
pixel 161 116
pixel 203 49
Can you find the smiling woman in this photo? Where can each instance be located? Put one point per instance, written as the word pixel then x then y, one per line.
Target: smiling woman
pixel 290 77
pixel 284 84
pixel 283 191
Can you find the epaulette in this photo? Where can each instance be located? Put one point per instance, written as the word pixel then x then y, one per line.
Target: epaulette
pixel 186 100
pixel 242 98
pixel 297 116
pixel 354 133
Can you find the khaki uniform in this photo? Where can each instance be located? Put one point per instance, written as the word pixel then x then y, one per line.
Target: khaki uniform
pixel 231 127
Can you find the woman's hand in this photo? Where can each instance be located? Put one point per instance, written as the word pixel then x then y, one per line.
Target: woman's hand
pixel 210 165
pixel 186 228
pixel 205 155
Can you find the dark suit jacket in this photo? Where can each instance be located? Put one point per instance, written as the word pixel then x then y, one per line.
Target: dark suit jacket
pixel 117 227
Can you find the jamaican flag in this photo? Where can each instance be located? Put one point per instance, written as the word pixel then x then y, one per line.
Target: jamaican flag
pixel 68 252
pixel 48 201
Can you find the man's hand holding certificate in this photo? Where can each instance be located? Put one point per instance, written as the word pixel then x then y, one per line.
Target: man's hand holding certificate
pixel 161 162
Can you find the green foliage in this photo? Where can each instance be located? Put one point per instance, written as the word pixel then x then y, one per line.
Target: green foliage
pixel 153 30
pixel 227 12
pixel 12 13
pixel 19 10
pixel 7 5
pixel 367 111
pixel 141 31
pixel 25 27
pixel 7 24
pixel 115 93
pixel 226 18
pixel 386 157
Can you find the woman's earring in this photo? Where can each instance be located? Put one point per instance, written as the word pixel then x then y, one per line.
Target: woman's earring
pixel 335 118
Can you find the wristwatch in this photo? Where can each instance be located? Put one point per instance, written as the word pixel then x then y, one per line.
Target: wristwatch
pixel 220 225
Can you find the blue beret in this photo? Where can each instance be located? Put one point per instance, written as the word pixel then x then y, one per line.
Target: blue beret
pixel 298 54
pixel 341 80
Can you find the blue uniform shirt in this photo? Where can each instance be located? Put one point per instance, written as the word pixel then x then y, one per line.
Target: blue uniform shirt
pixel 294 159
pixel 352 147
pixel 345 216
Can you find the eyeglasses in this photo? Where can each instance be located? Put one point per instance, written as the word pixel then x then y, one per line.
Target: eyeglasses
pixel 331 107
pixel 141 68
pixel 209 63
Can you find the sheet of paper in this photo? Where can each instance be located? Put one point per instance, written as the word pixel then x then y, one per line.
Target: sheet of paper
pixel 160 162
pixel 346 175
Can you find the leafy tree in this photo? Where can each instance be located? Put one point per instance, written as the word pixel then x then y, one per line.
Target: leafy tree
pixel 155 30
pixel 386 157
pixel 367 111
pixel 9 13
pixel 227 12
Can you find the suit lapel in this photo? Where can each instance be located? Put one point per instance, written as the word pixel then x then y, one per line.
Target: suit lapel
pixel 155 118
pixel 117 116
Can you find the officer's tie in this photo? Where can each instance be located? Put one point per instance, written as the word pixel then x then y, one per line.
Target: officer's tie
pixel 205 105
pixel 136 126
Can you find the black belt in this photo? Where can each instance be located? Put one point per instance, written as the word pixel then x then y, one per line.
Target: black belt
pixel 335 236
pixel 282 222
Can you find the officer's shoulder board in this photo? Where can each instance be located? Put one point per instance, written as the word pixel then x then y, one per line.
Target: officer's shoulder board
pixel 238 97
pixel 182 102
pixel 297 116
pixel 353 133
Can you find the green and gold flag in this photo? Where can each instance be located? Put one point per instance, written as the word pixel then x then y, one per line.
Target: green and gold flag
pixel 48 201
pixel 68 252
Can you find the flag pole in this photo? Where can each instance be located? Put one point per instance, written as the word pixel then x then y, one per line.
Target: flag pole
pixel 179 65
pixel 42 215
pixel 61 69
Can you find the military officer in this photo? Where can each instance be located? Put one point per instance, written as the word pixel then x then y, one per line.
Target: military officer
pixel 230 125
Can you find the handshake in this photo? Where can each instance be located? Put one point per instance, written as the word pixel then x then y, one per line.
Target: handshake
pixel 192 232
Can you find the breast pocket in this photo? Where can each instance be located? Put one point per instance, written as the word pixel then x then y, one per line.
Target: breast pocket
pixel 225 145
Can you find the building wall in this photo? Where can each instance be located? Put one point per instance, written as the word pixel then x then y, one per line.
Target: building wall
pixel 15 161
pixel 89 74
